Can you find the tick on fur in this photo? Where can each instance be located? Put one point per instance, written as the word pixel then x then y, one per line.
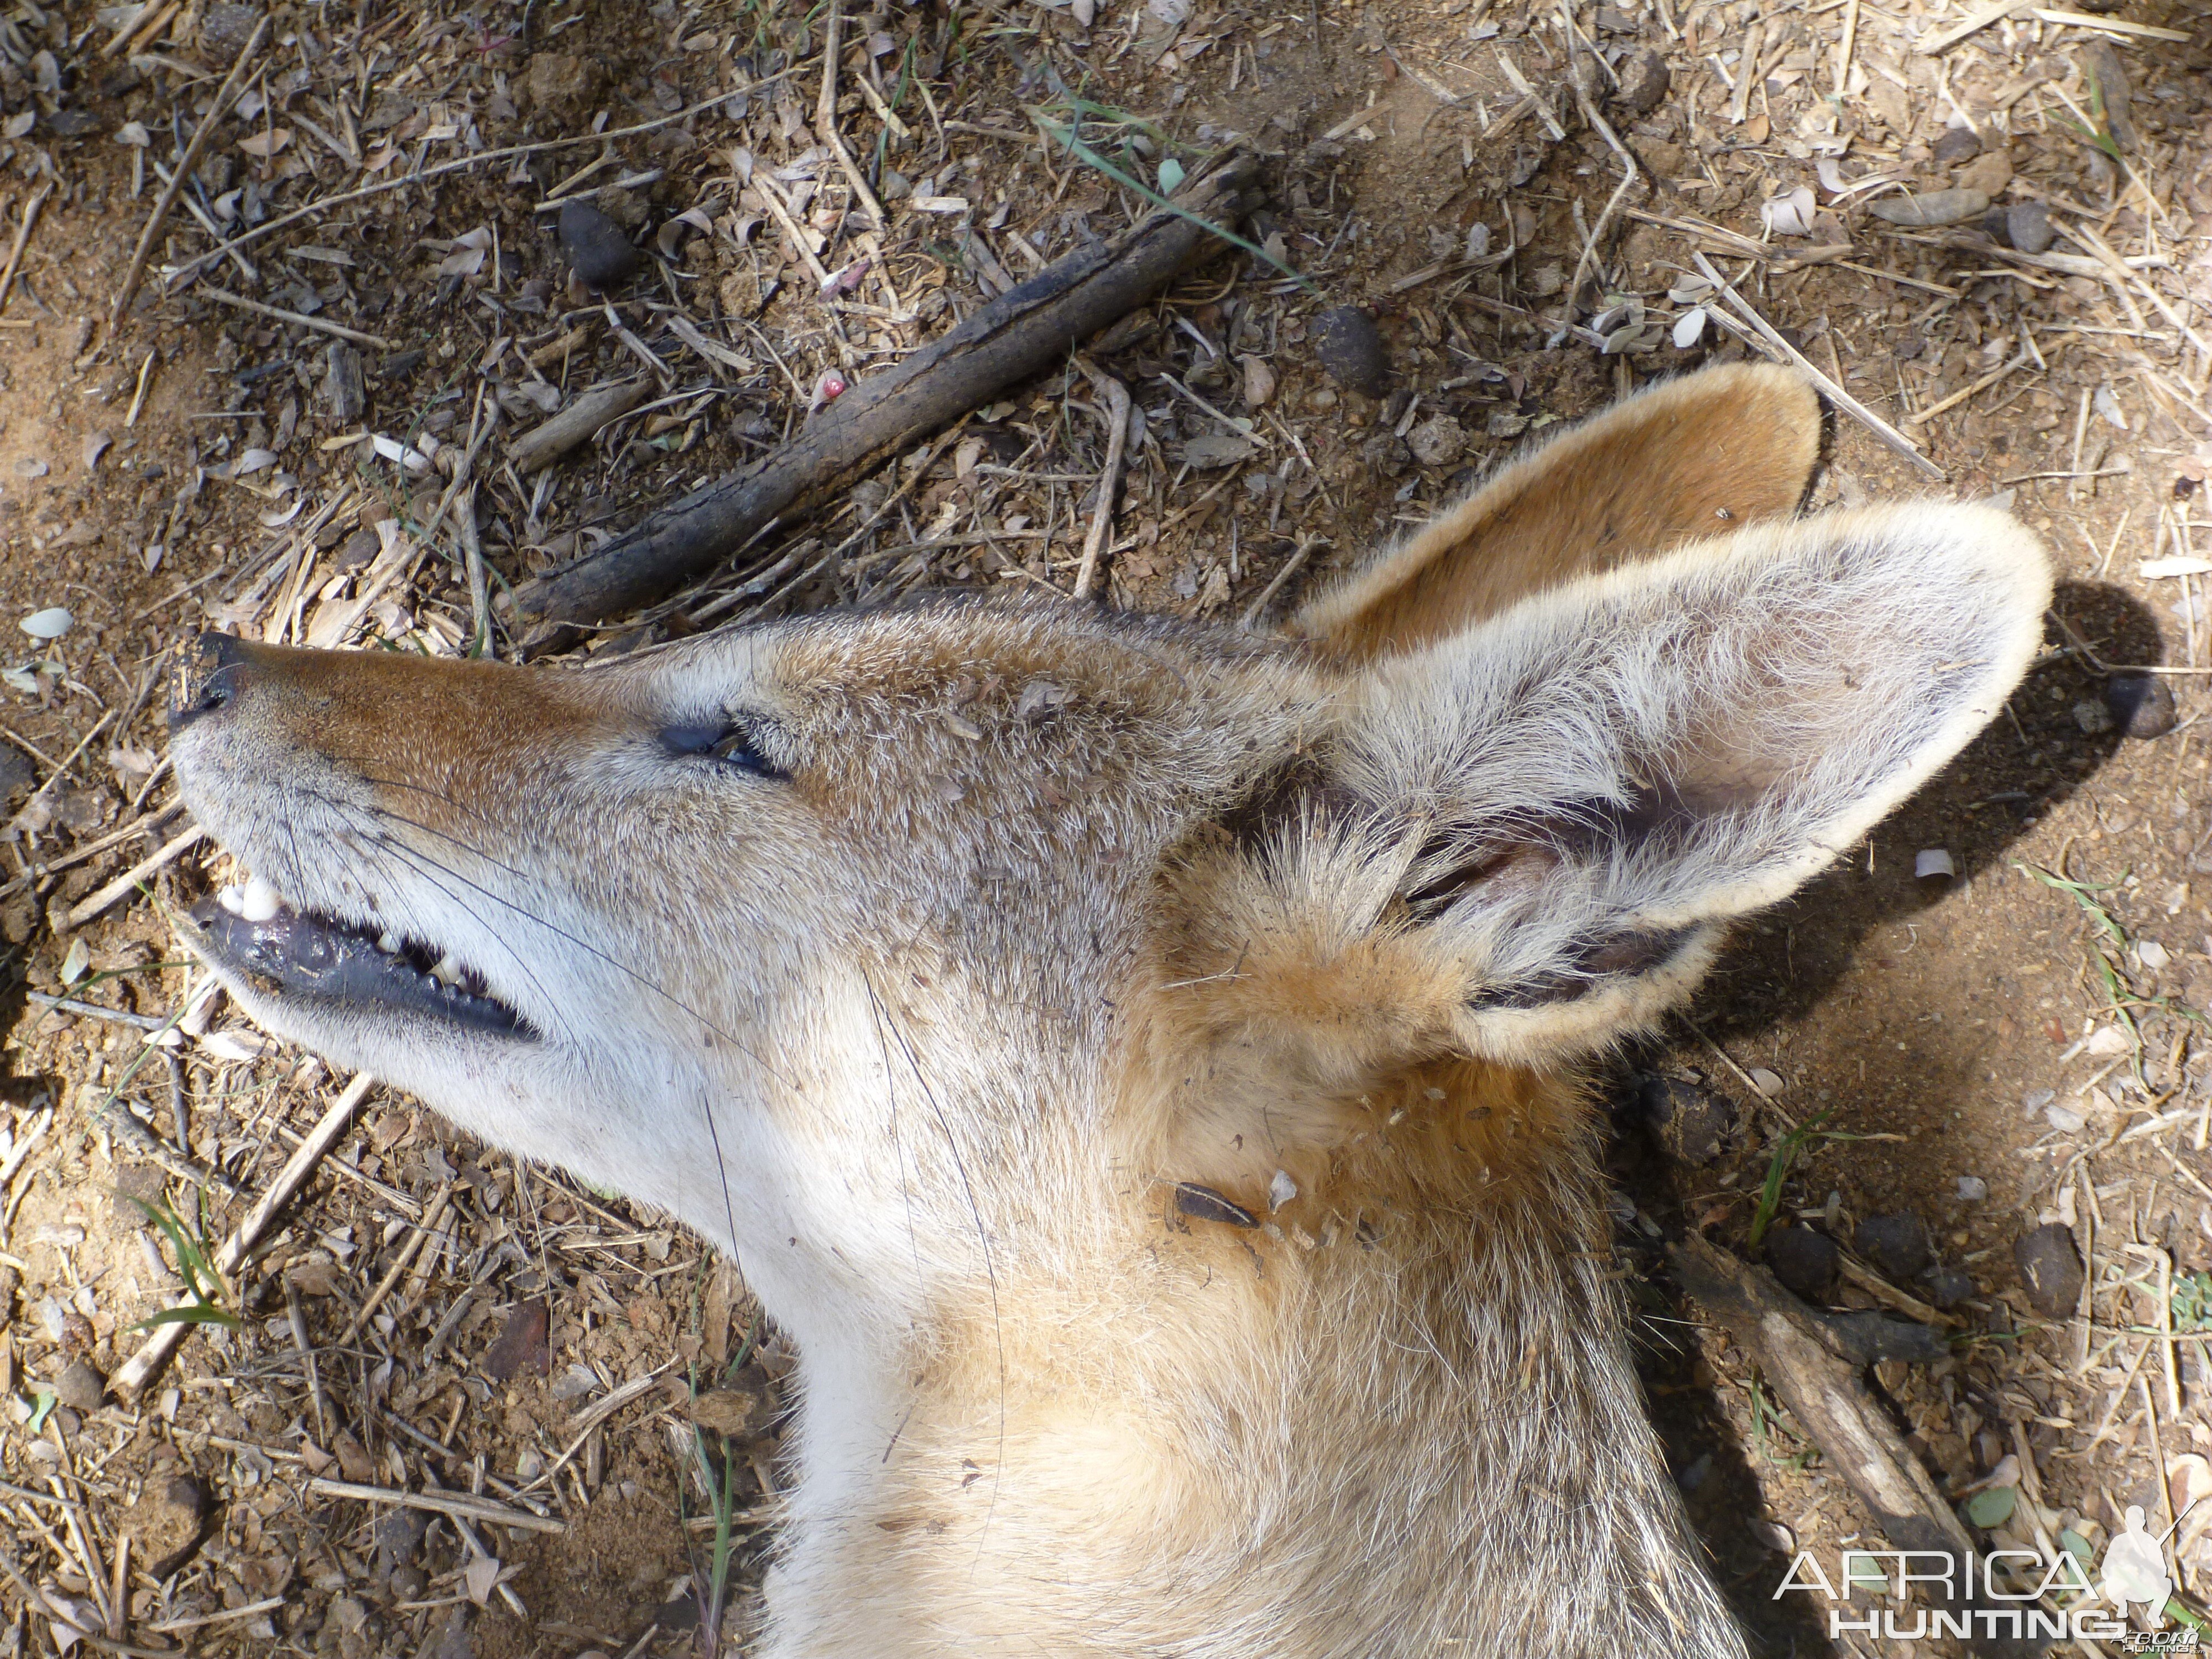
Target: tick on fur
pixel 1204 1204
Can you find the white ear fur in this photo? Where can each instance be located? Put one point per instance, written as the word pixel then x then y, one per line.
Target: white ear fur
pixel 1596 779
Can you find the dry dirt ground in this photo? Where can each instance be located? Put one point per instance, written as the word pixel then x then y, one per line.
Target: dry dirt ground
pixel 1897 1080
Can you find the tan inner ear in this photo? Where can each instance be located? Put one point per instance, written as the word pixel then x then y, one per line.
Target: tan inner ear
pixel 1693 456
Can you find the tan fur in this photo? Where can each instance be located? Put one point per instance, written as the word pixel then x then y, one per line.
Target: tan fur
pixel 1065 938
pixel 1736 444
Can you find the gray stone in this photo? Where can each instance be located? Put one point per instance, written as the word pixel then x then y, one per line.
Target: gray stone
pixel 1956 147
pixel 598 253
pixel 81 1387
pixel 1692 1124
pixel 2050 1267
pixel 1897 1244
pixel 1803 1260
pixel 2141 704
pixel 2027 227
pixel 1351 348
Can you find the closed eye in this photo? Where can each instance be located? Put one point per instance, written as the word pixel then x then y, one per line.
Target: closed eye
pixel 738 745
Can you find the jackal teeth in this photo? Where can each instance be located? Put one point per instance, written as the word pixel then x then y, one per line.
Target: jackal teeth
pixel 259 902
pixel 446 971
pixel 389 942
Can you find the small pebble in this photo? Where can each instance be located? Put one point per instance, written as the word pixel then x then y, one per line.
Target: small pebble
pixel 1691 1124
pixel 1956 147
pixel 2062 1119
pixel 1645 81
pixel 1437 441
pixel 1973 1189
pixel 1988 172
pixel 1937 207
pixel 165 1523
pixel 1947 1287
pixel 2050 1267
pixel 1933 863
pixel 1767 1082
pixel 80 1387
pixel 2027 227
pixel 1802 1260
pixel 2141 704
pixel 1350 348
pixel 2093 718
pixel 597 252
pixel 1896 1243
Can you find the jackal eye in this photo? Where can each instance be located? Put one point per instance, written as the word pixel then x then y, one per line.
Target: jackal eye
pixel 737 744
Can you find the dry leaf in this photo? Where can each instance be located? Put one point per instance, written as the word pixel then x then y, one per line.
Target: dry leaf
pixel 262 145
pixel 481 1576
pixel 1790 214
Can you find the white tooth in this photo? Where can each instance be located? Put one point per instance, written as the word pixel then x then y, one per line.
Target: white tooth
pixel 389 942
pixel 259 902
pixel 232 899
pixel 447 971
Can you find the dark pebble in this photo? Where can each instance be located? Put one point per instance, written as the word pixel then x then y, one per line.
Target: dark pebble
pixel 1802 1260
pixel 1693 1124
pixel 2142 704
pixel 1948 1287
pixel 1644 82
pixel 1897 1244
pixel 598 253
pixel 2027 227
pixel 2051 1268
pixel 398 1536
pixel 1346 340
pixel 72 124
pixel 1996 226
pixel 1957 147
pixel 80 1387
pixel 15 773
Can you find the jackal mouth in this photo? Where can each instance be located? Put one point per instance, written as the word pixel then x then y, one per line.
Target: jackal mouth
pixel 308 954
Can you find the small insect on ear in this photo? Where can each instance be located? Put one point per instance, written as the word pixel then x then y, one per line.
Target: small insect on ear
pixel 1699 456
pixel 1592 784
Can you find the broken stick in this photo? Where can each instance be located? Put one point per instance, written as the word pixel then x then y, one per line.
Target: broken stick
pixel 1805 1360
pixel 1024 331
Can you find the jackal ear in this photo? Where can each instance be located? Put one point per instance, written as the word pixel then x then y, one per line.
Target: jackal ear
pixel 1561 807
pixel 1687 458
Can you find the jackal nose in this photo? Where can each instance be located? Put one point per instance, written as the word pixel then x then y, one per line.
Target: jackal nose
pixel 211 677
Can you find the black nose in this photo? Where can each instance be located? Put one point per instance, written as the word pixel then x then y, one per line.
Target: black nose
pixel 210 677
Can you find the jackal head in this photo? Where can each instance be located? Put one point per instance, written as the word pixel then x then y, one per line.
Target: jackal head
pixel 854 938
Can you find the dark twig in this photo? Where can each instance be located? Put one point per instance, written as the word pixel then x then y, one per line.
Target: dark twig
pixel 1023 332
